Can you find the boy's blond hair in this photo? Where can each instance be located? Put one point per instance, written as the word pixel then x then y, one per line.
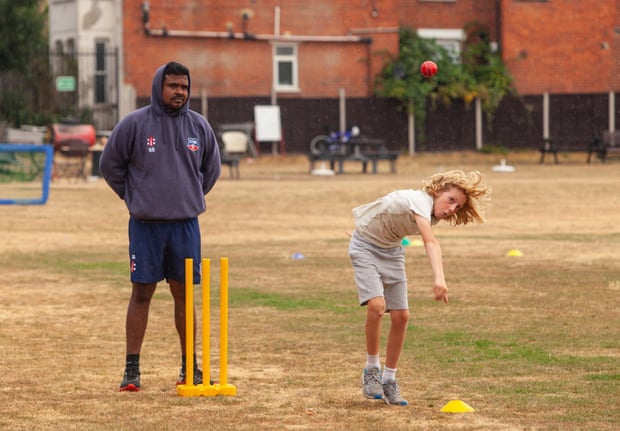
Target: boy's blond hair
pixel 470 183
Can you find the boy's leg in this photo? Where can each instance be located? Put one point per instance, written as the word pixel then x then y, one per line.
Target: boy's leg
pixel 371 377
pixel 396 337
pixel 396 340
pixel 375 309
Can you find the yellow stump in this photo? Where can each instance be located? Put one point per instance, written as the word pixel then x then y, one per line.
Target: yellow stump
pixel 189 321
pixel 189 389
pixel 206 318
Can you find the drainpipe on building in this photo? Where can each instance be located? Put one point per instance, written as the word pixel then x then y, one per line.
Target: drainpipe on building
pixel 166 32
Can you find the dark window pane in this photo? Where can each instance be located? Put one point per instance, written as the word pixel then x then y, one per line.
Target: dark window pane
pixel 100 57
pixel 100 94
pixel 285 73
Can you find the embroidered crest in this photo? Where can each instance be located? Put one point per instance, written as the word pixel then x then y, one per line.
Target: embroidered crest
pixel 192 144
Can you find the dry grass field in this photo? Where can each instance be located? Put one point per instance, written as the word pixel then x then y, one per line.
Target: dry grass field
pixel 531 342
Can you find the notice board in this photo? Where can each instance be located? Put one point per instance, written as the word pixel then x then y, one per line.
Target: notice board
pixel 267 123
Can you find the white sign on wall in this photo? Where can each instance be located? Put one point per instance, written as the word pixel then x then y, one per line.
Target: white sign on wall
pixel 267 123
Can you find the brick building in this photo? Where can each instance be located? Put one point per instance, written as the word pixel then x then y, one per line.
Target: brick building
pixel 302 54
pixel 562 46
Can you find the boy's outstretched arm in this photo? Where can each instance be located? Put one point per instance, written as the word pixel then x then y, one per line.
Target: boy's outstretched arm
pixel 433 251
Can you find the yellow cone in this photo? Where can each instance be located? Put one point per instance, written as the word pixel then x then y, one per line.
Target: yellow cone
pixel 457 406
pixel 514 253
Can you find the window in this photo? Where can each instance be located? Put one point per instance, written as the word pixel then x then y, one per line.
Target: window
pixel 100 73
pixel 450 39
pixel 285 68
pixel 71 46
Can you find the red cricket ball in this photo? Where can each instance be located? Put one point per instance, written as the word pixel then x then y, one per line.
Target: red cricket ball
pixel 428 68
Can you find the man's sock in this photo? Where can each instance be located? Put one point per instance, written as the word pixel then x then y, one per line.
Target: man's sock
pixel 132 361
pixel 183 361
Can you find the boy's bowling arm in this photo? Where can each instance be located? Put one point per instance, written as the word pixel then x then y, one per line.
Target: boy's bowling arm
pixel 433 251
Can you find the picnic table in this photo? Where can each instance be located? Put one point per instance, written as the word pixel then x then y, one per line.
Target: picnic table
pixel 359 149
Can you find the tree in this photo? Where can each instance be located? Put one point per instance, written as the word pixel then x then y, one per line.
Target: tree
pixel 22 34
pixel 480 74
pixel 24 65
pixel 490 77
pixel 402 80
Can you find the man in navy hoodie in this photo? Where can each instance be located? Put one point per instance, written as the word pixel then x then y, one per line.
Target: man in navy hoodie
pixel 162 160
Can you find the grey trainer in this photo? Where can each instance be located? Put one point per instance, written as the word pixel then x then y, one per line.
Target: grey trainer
pixel 392 394
pixel 371 384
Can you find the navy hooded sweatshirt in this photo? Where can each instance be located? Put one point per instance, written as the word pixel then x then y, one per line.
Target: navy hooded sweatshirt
pixel 162 165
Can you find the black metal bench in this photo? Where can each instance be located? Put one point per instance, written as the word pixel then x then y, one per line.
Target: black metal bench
pixel 233 164
pixel 360 149
pixel 570 145
pixel 609 145
pixel 383 154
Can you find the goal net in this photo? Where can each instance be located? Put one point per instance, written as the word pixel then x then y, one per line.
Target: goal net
pixel 25 173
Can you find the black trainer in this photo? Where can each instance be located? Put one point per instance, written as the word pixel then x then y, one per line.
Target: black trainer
pixel 197 376
pixel 131 380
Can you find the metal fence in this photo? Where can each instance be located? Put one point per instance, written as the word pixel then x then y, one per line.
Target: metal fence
pixel 78 85
pixel 575 120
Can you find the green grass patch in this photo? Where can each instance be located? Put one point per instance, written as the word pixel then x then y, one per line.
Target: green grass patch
pixel 243 297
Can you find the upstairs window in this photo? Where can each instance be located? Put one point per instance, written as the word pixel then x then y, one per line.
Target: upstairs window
pixel 285 67
pixel 450 39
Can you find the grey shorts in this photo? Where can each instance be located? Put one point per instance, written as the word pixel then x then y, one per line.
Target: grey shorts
pixel 379 272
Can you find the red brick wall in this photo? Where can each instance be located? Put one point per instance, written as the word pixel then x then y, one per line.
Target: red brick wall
pixel 554 46
pixel 420 14
pixel 229 68
pixel 558 46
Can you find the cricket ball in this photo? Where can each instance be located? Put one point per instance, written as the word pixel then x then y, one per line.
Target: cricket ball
pixel 428 69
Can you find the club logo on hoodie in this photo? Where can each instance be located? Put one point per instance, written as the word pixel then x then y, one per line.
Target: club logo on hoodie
pixel 150 144
pixel 192 144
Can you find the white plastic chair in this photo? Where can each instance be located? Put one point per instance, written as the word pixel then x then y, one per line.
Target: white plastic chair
pixel 235 142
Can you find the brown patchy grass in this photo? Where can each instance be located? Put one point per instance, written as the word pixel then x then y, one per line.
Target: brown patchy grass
pixel 531 342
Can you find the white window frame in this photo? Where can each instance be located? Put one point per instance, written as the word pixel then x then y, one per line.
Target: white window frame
pixel 285 58
pixel 450 39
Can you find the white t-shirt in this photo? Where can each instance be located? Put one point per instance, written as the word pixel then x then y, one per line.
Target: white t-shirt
pixel 387 220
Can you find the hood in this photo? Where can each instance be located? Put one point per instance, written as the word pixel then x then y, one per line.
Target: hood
pixel 157 103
